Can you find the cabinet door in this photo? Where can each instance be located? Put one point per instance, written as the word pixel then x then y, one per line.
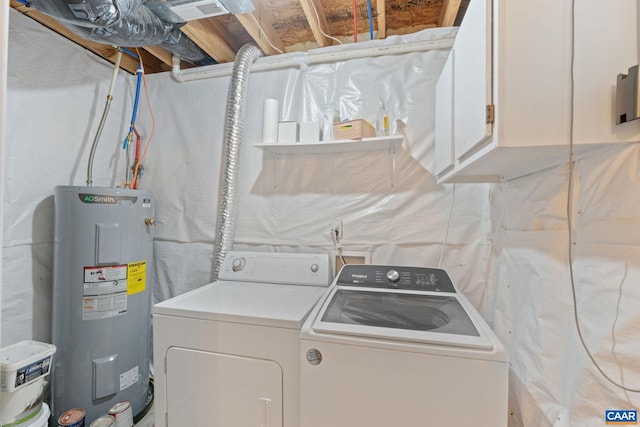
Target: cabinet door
pixel 472 78
pixel 444 117
pixel 606 44
pixel 221 390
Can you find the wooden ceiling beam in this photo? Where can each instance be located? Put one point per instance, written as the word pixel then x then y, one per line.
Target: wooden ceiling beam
pixel 161 54
pixel 317 20
pixel 381 8
pixel 259 25
pixel 448 13
pixel 211 38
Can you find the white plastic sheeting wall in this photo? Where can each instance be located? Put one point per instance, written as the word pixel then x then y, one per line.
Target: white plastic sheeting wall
pixel 4 54
pixel 289 201
pixel 56 95
pixel 552 380
pixel 507 246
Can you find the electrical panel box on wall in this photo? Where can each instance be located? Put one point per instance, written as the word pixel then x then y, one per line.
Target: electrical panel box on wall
pixel 627 96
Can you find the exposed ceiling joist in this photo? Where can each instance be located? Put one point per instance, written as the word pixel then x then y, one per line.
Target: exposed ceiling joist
pixel 207 34
pixel 448 12
pixel 159 53
pixel 276 26
pixel 260 28
pixel 381 7
pixel 314 12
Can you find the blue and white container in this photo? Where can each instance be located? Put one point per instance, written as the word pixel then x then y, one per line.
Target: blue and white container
pixel 24 367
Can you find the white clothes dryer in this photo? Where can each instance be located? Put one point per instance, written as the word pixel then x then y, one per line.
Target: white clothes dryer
pixel 399 346
pixel 226 354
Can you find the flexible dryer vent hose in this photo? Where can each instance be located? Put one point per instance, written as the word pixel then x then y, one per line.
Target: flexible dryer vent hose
pixel 233 135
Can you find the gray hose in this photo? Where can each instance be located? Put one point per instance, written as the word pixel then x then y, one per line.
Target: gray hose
pixel 103 119
pixel 233 135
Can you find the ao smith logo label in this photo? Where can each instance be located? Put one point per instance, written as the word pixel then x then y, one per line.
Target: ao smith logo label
pixel 106 199
pixel 621 417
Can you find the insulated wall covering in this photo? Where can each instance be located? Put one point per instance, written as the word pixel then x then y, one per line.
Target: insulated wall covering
pixel 56 95
pixel 506 247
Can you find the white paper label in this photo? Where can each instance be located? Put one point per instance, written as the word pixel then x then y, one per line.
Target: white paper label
pixel 129 378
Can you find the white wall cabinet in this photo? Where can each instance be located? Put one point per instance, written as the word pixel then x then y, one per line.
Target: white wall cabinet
pixel 504 100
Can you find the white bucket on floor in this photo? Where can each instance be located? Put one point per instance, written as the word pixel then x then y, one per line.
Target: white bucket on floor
pixel 42 420
pixel 23 369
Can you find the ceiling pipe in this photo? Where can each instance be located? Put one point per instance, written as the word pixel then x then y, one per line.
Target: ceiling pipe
pixel 312 57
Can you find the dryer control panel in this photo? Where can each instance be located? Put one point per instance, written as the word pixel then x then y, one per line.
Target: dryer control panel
pixel 276 267
pixel 396 277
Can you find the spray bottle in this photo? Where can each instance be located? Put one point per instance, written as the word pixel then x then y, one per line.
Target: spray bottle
pixel 383 120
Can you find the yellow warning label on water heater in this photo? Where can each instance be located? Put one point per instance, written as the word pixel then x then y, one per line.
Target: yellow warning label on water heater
pixel 136 277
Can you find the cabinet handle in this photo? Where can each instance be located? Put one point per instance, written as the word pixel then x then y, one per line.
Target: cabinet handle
pixel 266 412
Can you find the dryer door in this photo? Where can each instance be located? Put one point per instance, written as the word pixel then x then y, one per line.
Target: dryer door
pixel 221 390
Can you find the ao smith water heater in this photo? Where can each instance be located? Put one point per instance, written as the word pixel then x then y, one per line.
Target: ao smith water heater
pixel 101 299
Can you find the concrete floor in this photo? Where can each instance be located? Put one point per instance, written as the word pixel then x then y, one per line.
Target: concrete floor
pixel 147 421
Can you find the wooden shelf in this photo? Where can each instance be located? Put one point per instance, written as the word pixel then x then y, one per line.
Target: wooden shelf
pixel 340 146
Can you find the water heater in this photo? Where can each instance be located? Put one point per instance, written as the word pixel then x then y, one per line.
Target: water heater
pixel 101 299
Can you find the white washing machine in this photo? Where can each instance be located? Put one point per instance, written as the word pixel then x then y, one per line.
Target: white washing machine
pixel 226 354
pixel 399 346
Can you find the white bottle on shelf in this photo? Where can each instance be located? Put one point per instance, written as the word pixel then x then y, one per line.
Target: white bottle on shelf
pixel 382 125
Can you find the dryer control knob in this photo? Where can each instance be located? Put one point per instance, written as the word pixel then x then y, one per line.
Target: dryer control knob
pixel 238 264
pixel 315 268
pixel 393 276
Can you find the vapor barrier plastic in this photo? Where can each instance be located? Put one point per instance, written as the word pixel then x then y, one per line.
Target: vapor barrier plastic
pixel 52 116
pixel 552 380
pixel 507 245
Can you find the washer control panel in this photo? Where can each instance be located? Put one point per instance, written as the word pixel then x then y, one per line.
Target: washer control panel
pixel 396 277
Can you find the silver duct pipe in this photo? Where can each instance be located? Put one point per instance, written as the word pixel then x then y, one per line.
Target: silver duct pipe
pixel 87 13
pixel 131 23
pixel 233 135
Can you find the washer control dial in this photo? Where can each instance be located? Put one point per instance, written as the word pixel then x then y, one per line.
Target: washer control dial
pixel 238 264
pixel 393 276
pixel 315 268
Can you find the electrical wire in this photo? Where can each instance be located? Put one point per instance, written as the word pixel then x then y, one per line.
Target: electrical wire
pixel 313 5
pixel 370 15
pixel 136 158
pixel 355 22
pixel 446 233
pixel 137 166
pixel 128 140
pixel 265 34
pixel 576 316
pixel 337 245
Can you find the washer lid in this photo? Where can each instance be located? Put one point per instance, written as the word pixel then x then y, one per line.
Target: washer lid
pixel 264 304
pixel 437 318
